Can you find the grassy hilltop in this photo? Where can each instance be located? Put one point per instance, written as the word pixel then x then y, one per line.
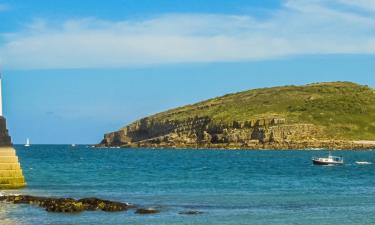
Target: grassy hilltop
pixel 345 109
pixel 333 115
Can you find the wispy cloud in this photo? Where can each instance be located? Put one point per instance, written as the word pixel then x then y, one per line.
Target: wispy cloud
pixel 363 4
pixel 300 27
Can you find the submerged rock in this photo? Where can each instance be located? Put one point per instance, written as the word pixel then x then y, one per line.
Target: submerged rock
pixel 190 212
pixel 68 205
pixel 147 211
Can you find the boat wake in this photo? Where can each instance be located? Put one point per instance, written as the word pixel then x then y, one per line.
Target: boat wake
pixel 363 163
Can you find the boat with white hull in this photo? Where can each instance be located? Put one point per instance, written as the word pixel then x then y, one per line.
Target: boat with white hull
pixel 330 160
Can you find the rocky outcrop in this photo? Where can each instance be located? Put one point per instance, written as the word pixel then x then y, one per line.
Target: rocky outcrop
pixel 273 133
pixel 68 205
pixel 321 115
pixel 202 132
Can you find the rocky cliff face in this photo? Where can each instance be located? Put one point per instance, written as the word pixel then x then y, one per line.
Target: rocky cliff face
pixel 319 115
pixel 203 132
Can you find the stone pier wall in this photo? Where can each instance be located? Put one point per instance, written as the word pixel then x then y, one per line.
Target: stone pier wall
pixel 11 175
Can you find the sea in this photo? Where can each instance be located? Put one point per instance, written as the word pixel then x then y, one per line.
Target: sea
pixel 229 187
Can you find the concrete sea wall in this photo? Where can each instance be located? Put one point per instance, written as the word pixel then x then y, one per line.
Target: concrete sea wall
pixel 11 175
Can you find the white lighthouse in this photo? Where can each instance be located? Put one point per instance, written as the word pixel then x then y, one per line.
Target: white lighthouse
pixel 1 96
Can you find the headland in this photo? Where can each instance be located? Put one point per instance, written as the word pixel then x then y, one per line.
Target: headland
pixel 332 115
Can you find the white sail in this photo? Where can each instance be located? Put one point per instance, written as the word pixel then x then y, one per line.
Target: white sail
pixel 1 97
pixel 27 142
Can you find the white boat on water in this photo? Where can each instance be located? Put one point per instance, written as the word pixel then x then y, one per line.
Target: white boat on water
pixel 363 163
pixel 330 160
pixel 27 143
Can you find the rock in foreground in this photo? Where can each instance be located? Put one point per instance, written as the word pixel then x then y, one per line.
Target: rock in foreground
pixel 68 205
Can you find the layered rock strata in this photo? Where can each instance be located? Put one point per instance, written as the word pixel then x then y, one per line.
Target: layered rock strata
pixel 202 132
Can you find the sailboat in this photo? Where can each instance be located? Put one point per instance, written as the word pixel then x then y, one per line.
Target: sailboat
pixel 27 142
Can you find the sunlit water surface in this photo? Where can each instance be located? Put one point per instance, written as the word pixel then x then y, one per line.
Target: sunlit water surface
pixel 229 187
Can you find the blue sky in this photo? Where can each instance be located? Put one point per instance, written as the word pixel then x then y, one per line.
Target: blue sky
pixel 74 70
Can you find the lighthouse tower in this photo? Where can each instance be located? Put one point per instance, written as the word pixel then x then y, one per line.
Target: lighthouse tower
pixel 11 175
pixel 1 96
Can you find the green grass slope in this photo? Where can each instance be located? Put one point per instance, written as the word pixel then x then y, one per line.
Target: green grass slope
pixel 345 110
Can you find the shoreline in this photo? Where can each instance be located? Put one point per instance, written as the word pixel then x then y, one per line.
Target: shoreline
pixel 281 146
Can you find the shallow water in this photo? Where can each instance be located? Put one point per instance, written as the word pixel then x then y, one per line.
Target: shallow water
pixel 231 187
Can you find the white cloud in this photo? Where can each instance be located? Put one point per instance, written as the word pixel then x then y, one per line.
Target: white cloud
pixel 363 4
pixel 300 27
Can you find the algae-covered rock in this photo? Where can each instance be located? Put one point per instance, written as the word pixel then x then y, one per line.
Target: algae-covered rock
pixel 68 205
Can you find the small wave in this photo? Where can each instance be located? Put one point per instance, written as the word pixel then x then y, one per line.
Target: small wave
pixel 4 194
pixel 329 165
pixel 363 163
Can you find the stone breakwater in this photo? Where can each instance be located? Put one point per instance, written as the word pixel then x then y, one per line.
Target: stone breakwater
pixel 203 132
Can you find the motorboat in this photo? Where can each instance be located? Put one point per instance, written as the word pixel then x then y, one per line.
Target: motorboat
pixel 330 160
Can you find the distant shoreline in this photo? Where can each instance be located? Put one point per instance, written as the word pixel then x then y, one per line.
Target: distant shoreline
pixel 332 115
pixel 297 145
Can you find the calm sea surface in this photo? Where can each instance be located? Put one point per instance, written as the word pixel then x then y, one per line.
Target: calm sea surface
pixel 230 187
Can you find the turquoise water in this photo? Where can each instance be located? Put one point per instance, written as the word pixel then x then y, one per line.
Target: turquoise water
pixel 230 187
